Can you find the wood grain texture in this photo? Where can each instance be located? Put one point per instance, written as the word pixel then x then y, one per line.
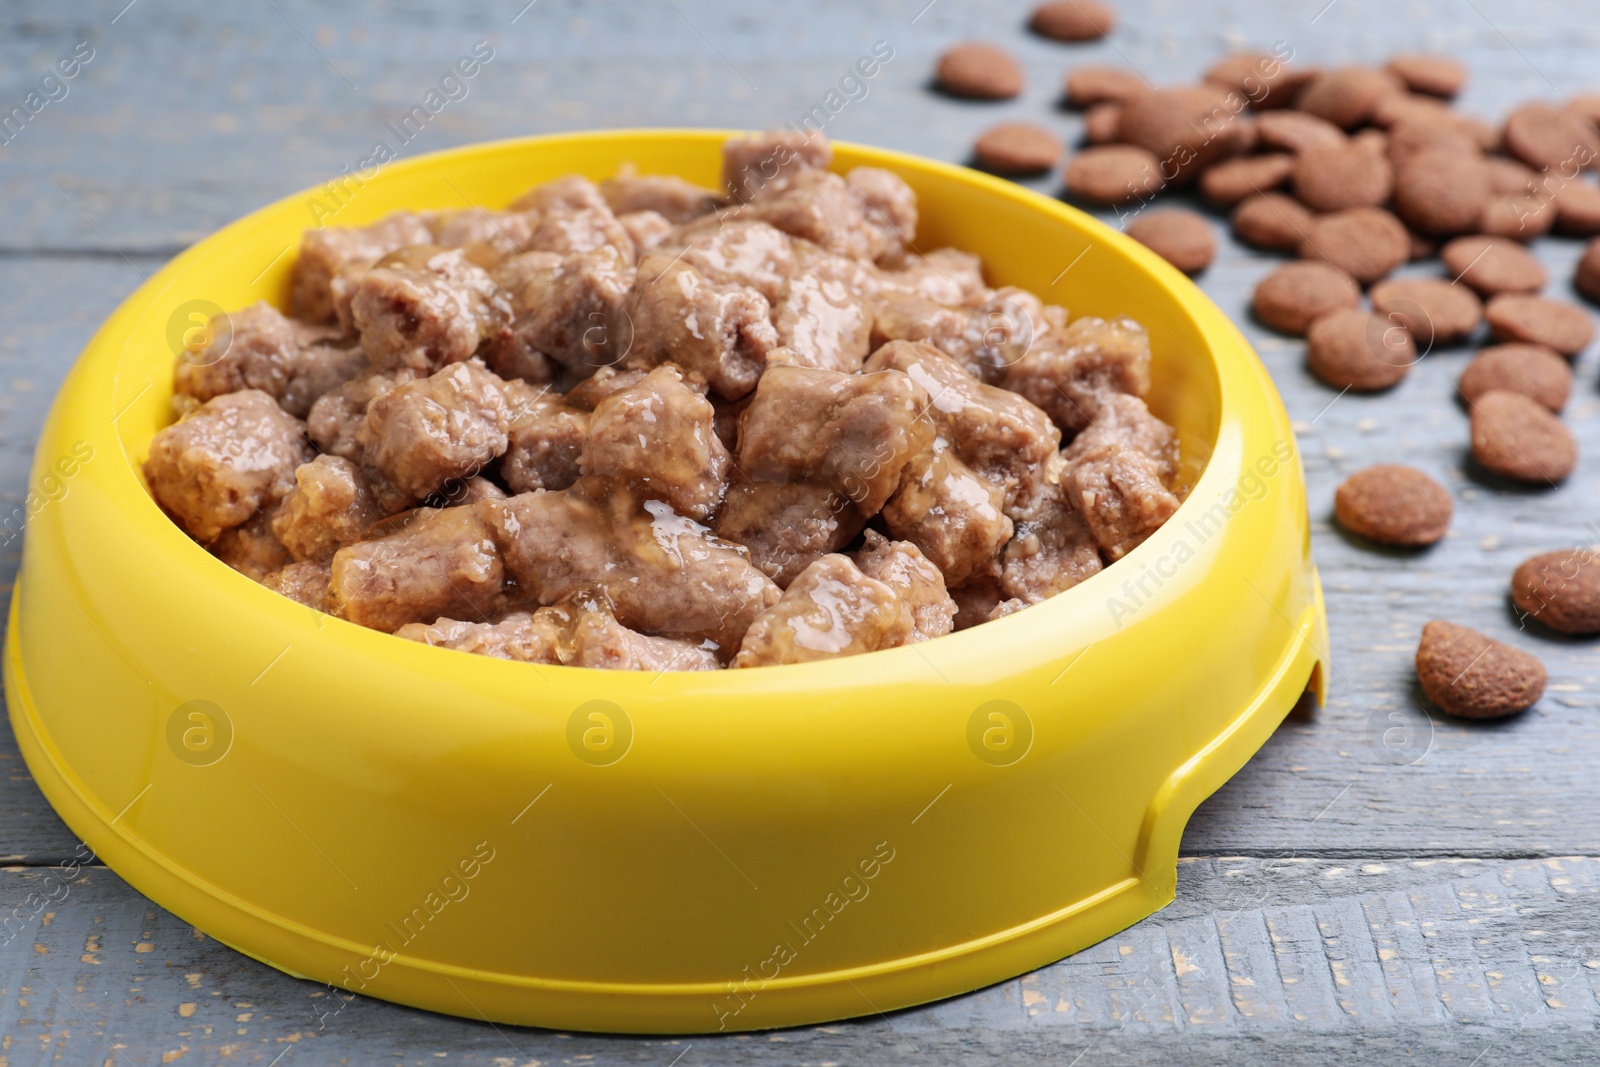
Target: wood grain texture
pixel 1293 957
pixel 1377 883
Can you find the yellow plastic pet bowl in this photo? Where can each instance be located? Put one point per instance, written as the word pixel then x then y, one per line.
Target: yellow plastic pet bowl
pixel 691 852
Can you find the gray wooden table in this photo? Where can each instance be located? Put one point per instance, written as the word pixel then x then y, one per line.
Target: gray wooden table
pixel 1432 902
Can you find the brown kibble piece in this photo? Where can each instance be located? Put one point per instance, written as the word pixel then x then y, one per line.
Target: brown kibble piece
pixel 1265 80
pixel 1412 135
pixel 1232 180
pixel 1393 505
pixel 1493 265
pixel 1577 207
pixel 1532 370
pixel 1435 311
pixel 1561 589
pixel 1545 135
pixel 1347 97
pixel 1272 222
pixel 1352 349
pixel 1521 218
pixel 1181 237
pixel 1539 320
pixel 1113 174
pixel 1510 177
pixel 1073 20
pixel 1017 148
pixel 1296 294
pixel 1518 438
pixel 1296 131
pixel 1188 129
pixel 1472 676
pixel 1434 75
pixel 1587 278
pixel 1441 191
pixel 979 72
pixel 1087 86
pixel 1349 174
pixel 1364 242
pixel 1101 122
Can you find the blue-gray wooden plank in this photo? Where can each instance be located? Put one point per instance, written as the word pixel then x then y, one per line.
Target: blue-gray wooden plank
pixel 191 114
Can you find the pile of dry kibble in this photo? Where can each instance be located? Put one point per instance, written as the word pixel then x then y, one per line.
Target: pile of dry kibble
pixel 1356 171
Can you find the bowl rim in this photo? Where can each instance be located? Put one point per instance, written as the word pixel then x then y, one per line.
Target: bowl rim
pixel 1221 339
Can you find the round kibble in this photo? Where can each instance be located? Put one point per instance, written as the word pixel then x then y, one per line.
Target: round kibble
pixel 1352 349
pixel 1087 86
pixel 1017 148
pixel 1472 676
pixel 1348 96
pixel 1510 177
pixel 1532 370
pixel 1411 136
pixel 1541 321
pixel 1113 174
pixel 1295 131
pixel 1409 107
pixel 1364 242
pixel 979 71
pixel 1518 438
pixel 1349 174
pixel 1561 589
pixel 1545 135
pixel 1587 279
pixel 1296 294
pixel 1435 311
pixel 1265 80
pixel 1577 207
pixel 1232 180
pixel 1393 505
pixel 1182 238
pixel 1272 222
pixel 1073 20
pixel 1493 265
pixel 1521 218
pixel 1441 191
pixel 1188 128
pixel 1102 121
pixel 1434 75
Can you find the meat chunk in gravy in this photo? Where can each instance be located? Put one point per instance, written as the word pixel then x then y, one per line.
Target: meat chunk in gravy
pixel 720 332
pixel 420 435
pixel 325 252
pixel 544 442
pixel 329 507
pixel 528 637
pixel 1070 375
pixel 954 517
pixel 235 455
pixel 424 307
pixel 646 425
pixel 787 526
pixel 1120 494
pixel 659 437
pixel 899 565
pixel 432 564
pixel 1006 440
pixel 671 197
pixel 831 609
pixel 852 433
pixel 666 573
